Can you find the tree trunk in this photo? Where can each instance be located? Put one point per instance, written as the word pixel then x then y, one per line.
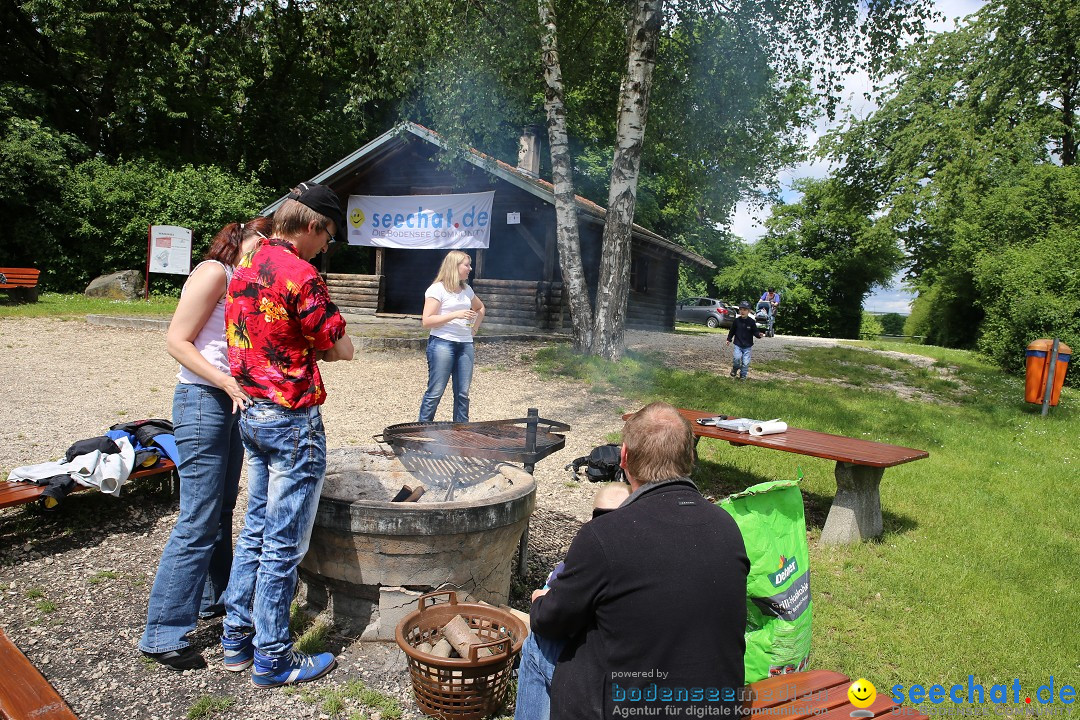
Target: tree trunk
pixel 643 32
pixel 562 176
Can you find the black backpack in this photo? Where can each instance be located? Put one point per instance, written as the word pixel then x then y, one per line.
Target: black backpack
pixel 601 465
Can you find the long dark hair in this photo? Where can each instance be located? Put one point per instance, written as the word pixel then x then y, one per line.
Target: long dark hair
pixel 225 247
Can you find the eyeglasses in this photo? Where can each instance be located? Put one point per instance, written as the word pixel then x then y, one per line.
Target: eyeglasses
pixel 332 237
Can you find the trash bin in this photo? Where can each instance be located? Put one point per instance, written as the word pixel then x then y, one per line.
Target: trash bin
pixel 1038 367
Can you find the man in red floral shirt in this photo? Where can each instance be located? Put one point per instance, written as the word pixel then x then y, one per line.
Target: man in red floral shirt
pixel 279 321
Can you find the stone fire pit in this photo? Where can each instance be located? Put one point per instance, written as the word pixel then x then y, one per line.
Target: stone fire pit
pixel 370 559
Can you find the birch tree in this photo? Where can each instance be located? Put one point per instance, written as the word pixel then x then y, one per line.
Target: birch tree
pixel 602 333
pixel 562 175
pixel 805 39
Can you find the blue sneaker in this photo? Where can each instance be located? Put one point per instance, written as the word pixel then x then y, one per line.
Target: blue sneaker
pixel 239 650
pixel 295 667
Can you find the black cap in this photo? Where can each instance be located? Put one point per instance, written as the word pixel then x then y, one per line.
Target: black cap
pixel 744 304
pixel 322 200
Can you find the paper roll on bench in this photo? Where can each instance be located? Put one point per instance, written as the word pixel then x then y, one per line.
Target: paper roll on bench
pixel 768 428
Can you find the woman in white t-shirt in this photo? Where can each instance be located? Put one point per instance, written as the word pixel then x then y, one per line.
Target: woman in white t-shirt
pixel 453 313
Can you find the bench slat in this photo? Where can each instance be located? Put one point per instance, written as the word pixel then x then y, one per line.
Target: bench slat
pixel 816 694
pixel 781 689
pixel 883 705
pixel 19 277
pixel 25 693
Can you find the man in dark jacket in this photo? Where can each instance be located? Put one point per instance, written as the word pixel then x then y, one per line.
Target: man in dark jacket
pixel 652 600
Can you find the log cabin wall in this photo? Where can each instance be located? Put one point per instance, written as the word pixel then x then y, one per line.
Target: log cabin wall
pixel 654 281
pixel 361 294
pixel 529 305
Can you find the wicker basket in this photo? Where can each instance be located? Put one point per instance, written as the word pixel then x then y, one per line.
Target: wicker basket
pixel 460 688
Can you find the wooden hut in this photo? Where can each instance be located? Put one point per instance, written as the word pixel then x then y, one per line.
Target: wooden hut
pixel 517 275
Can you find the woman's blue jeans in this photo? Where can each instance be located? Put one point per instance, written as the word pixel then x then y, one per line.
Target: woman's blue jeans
pixel 194 567
pixel 286 466
pixel 446 359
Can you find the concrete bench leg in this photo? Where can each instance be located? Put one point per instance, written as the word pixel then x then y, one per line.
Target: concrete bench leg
pixel 856 510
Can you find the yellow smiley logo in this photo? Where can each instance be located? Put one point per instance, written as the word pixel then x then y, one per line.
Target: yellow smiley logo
pixel 356 217
pixel 862 693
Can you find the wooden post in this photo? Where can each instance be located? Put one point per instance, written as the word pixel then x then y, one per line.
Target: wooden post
pixel 1050 378
pixel 378 261
pixel 478 269
pixel 530 447
pixel 146 295
pixel 549 255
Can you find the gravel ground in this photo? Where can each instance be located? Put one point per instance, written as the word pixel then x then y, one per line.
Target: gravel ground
pixel 75 583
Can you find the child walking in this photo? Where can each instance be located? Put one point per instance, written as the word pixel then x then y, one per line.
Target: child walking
pixel 744 329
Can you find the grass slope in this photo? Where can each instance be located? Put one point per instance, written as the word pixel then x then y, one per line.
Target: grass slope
pixel 976 573
pixel 51 304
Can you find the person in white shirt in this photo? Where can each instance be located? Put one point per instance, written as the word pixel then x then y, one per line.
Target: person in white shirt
pixel 454 314
pixel 195 564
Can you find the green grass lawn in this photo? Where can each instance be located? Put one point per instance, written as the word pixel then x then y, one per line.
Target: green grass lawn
pixel 51 304
pixel 977 571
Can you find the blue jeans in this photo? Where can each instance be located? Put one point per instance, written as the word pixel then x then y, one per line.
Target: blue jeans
pixel 286 466
pixel 740 359
pixel 538 657
pixel 446 358
pixel 194 567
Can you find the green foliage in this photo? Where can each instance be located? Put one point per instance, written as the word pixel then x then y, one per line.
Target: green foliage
pixel 207 706
pixel 335 699
pixel 892 323
pixel 963 162
pixel 871 326
pixel 111 206
pixel 1028 274
pixel 823 254
pixel 35 162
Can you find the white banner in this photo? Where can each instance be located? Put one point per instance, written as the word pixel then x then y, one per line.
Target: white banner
pixel 421 222
pixel 170 249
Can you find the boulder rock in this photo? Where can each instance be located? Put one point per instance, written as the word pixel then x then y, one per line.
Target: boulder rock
pixel 123 285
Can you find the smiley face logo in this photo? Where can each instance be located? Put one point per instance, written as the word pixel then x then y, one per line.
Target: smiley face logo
pixel 356 217
pixel 862 693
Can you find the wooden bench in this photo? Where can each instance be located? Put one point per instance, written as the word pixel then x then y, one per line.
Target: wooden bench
pixel 856 509
pixel 21 283
pixel 20 493
pixel 25 693
pixel 817 694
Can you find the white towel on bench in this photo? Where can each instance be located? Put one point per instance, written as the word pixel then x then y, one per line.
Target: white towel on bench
pixel 105 471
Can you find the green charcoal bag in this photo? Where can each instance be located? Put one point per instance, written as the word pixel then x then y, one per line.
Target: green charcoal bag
pixel 778 608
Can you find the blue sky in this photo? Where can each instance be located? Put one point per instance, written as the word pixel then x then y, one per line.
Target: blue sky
pixel 746 221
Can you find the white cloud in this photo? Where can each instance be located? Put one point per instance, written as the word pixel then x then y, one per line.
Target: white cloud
pixel 745 223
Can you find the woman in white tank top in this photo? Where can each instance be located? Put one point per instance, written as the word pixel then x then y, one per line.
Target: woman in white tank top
pixel 194 567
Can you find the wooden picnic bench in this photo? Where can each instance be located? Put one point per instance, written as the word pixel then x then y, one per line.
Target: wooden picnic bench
pixel 20 493
pixel 21 283
pixel 817 694
pixel 856 509
pixel 25 693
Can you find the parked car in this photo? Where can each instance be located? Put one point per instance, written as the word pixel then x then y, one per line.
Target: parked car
pixel 709 311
